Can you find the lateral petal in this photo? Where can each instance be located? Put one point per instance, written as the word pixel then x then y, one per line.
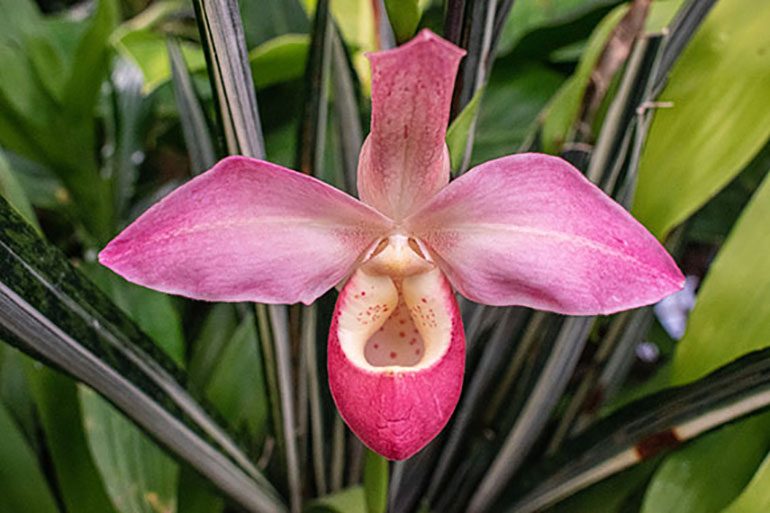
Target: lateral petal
pixel 404 160
pixel 530 230
pixel 396 359
pixel 246 230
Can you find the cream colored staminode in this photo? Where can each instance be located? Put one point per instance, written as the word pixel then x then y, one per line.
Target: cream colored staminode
pixel 398 317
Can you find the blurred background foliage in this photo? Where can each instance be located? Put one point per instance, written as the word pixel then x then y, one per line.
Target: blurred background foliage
pixel 106 105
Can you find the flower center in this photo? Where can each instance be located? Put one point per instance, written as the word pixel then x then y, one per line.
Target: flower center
pixel 395 311
pixel 397 341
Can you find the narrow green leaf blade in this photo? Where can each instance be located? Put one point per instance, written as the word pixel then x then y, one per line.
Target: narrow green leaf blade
pixel 720 101
pixel 460 129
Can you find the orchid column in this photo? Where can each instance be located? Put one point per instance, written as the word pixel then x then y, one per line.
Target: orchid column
pixel 520 230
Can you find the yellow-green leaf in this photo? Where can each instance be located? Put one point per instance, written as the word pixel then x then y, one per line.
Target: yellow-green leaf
pixel 756 496
pixel 718 122
pixel 732 314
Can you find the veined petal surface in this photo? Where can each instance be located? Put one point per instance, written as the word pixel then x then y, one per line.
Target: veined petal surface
pixel 530 230
pixel 404 160
pixel 396 359
pixel 246 230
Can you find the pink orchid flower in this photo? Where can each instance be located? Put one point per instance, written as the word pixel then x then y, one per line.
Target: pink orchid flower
pixel 520 230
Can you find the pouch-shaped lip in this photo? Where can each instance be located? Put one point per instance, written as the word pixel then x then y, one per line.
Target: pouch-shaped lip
pixel 397 409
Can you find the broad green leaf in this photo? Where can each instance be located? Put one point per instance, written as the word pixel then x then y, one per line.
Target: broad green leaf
pixel 58 407
pixel 267 19
pixel 349 500
pixel 756 496
pixel 528 15
pixel 708 473
pixel 11 190
pixel 404 16
pixel 236 385
pixel 457 135
pixel 147 49
pixel 22 484
pixel 732 313
pixel 275 61
pixel 139 477
pixel 196 495
pixel 718 121
pixel 512 101
pixel 375 482
pixel 279 60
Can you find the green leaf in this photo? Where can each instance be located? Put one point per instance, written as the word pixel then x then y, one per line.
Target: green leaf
pixel 91 60
pixel 756 496
pixel 147 48
pixel 707 474
pixel 49 310
pixel 512 101
pixel 268 19
pixel 404 16
pixel 237 386
pixel 279 60
pixel 528 15
pixel 11 190
pixel 22 484
pixel 457 135
pixel 375 482
pixel 139 477
pixel 192 115
pixel 561 113
pixel 349 500
pixel 610 495
pixel 153 311
pixel 196 494
pixel 732 314
pixel 718 119
pixel 59 410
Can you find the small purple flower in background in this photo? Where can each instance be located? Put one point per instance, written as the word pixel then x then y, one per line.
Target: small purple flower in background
pixel 520 230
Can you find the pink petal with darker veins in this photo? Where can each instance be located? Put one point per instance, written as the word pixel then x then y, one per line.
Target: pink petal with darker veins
pixel 531 230
pixel 247 230
pixel 404 160
pixel 396 360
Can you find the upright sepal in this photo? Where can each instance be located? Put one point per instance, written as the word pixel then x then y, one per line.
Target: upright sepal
pixel 404 160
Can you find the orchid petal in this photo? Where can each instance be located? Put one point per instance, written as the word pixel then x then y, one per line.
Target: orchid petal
pixel 531 230
pixel 404 161
pixel 396 359
pixel 246 230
